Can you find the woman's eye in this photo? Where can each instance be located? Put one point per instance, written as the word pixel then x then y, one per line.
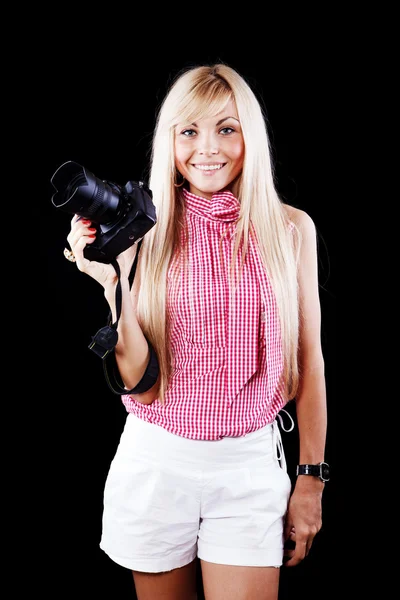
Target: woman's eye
pixel 192 132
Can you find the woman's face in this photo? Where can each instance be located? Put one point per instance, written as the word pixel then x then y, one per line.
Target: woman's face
pixel 209 153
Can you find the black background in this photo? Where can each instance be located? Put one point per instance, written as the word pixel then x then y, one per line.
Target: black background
pixel 100 106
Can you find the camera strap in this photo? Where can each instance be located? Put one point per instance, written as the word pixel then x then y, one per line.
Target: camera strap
pixel 106 338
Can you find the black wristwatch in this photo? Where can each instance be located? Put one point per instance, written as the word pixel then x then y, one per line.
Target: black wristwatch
pixel 321 470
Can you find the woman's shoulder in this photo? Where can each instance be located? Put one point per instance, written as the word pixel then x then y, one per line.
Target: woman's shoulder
pixel 298 218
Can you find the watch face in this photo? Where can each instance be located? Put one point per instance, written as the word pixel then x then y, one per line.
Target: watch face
pixel 325 471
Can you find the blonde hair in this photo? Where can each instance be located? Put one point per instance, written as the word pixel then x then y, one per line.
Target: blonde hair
pixel 197 93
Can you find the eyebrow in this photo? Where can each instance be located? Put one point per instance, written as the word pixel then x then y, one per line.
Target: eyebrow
pixel 221 121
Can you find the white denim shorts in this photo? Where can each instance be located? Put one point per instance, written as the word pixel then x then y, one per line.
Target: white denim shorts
pixel 168 499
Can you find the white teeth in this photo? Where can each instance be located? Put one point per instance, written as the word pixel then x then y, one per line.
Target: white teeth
pixel 209 167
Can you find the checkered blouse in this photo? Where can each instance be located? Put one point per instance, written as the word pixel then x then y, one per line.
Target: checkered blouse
pixel 227 352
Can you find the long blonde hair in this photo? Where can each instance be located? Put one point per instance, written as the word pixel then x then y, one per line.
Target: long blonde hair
pixel 200 92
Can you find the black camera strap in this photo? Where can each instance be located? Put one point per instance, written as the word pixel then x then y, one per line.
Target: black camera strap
pixel 105 340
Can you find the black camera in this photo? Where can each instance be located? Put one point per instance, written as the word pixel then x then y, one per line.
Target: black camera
pixel 122 215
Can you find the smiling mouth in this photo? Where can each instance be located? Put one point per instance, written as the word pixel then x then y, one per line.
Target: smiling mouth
pixel 209 168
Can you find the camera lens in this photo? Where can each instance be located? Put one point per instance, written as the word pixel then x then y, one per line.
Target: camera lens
pixel 79 192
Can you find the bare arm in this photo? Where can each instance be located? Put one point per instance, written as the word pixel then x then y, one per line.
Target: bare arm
pixel 304 517
pixel 131 352
pixel 311 397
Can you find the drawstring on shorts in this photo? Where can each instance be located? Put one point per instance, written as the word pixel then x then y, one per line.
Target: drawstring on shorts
pixel 277 438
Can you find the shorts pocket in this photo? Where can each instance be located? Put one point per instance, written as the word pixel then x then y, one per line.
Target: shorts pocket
pixel 271 488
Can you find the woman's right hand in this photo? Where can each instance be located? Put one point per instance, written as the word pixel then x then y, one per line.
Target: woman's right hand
pixel 83 233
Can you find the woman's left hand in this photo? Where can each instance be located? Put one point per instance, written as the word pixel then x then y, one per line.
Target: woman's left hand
pixel 303 518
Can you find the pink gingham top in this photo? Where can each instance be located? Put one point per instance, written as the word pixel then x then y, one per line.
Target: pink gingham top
pixel 227 353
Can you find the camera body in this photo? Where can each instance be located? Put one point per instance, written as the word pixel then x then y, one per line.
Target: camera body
pixel 128 227
pixel 122 215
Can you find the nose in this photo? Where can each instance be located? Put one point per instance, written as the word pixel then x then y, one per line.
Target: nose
pixel 206 151
pixel 208 145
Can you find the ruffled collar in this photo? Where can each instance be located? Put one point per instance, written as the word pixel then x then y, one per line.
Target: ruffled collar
pixel 223 206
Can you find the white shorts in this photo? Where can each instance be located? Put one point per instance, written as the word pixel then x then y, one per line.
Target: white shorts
pixel 168 499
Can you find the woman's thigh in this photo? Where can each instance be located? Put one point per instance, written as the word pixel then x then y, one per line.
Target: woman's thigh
pixel 227 582
pixel 178 584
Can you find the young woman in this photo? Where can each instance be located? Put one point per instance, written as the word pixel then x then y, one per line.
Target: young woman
pixel 226 295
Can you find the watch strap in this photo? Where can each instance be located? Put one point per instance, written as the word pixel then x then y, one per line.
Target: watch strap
pixel 320 470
